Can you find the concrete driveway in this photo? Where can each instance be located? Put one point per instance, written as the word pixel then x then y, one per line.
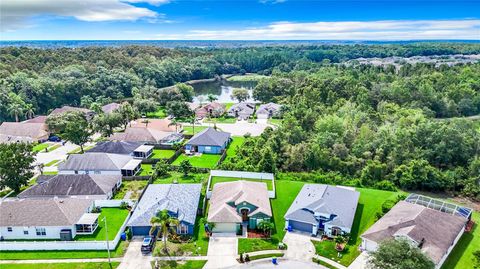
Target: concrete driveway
pixel 360 262
pixel 282 264
pixel 300 248
pixel 57 154
pixel 222 252
pixel 134 259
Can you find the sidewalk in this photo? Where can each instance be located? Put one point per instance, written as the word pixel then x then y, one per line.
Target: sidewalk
pixel 59 261
pixel 332 263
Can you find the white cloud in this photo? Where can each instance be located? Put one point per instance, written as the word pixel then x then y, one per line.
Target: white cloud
pixel 345 30
pixel 15 13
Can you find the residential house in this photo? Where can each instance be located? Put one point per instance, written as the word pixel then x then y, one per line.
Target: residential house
pixel 328 210
pixel 75 186
pixel 208 140
pixel 109 108
pixel 135 149
pixel 237 205
pixel 89 114
pixel 270 110
pixel 37 119
pixel 180 200
pixel 101 164
pixel 213 109
pixel 39 219
pixel 154 131
pixel 434 226
pixel 23 132
pixel 242 111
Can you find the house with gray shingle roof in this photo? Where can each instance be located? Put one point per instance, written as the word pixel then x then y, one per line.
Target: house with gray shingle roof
pixel 270 110
pixel 75 186
pixel 135 149
pixel 111 107
pixel 24 132
pixel 46 218
pixel 208 141
pixel 242 111
pixel 325 209
pixel 180 200
pixel 89 114
pixel 100 163
pixel 434 231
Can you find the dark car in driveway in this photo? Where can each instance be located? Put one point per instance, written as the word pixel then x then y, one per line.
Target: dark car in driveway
pixel 148 245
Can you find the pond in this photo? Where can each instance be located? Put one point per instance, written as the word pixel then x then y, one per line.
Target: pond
pixel 221 89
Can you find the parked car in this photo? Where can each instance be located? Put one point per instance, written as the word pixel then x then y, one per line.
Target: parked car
pixel 148 245
pixel 54 138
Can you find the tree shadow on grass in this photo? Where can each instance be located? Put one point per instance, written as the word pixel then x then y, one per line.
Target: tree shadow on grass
pixel 354 233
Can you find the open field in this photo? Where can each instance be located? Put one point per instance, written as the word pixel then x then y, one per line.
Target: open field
pixel 202 161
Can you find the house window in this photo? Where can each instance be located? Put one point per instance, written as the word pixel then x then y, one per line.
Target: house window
pixel 97 172
pixel 41 231
pixel 25 230
pixel 183 229
pixel 76 172
pixel 9 229
pixel 208 148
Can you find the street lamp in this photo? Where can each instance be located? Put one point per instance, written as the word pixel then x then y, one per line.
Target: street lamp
pixel 106 239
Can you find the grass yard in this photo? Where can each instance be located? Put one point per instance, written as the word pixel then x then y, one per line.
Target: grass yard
pixel 162 153
pixel 40 147
pixel 461 256
pixel 369 204
pixel 276 122
pixel 202 161
pixel 115 218
pixel 216 180
pixel 84 265
pixel 146 170
pixel 54 147
pixel 237 141
pixel 58 254
pixel 220 120
pixel 179 178
pixel 188 130
pixel 180 264
pixel 134 186
pixel 159 114
pixel 50 173
pixel 52 163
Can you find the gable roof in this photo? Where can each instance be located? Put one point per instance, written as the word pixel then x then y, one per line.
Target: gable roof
pixel 325 200
pixel 242 108
pixel 181 199
pixel 269 108
pixel 237 192
pixel 144 135
pixel 109 108
pixel 95 161
pixel 416 222
pixel 42 212
pixel 37 119
pixel 71 185
pixel 116 147
pixel 27 129
pixel 162 125
pixel 209 137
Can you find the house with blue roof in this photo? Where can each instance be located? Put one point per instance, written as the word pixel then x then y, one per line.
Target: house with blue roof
pixel 180 200
pixel 323 209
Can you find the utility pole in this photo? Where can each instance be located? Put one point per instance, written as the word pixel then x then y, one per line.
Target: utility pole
pixel 106 238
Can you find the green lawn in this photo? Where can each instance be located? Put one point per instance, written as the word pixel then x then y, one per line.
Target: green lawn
pixel 70 254
pixel 40 147
pixel 50 173
pixel 276 122
pixel 216 180
pixel 146 170
pixel 84 265
pixel 237 141
pixel 220 120
pixel 115 218
pixel 159 114
pixel 52 163
pixel 54 147
pixel 179 178
pixel 180 264
pixel 188 130
pixel 202 161
pixel 135 186
pixel 461 256
pixel 369 204
pixel 162 153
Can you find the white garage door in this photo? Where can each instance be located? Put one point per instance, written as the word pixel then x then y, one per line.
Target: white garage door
pixel 225 228
pixel 262 116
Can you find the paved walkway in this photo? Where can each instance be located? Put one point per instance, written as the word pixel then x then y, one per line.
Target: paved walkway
pixel 299 247
pixel 222 252
pixel 134 259
pixel 360 262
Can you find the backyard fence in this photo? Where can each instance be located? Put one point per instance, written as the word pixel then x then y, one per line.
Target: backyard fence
pixel 64 245
pixel 222 158
pixel 241 175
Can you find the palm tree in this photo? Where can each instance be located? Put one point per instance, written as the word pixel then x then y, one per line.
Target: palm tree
pixel 211 98
pixel 266 227
pixel 164 224
pixel 15 109
pixel 174 122
pixel 191 120
pixel 29 111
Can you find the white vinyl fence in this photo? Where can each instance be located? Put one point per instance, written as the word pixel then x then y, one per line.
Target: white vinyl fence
pixel 242 175
pixel 65 245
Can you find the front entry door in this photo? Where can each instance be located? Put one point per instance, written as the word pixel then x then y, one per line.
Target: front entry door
pixel 244 214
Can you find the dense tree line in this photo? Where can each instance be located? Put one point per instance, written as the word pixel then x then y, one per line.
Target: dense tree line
pixel 43 79
pixel 368 126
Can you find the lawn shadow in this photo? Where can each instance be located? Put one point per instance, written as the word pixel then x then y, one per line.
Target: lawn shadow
pixel 356 225
pixel 459 249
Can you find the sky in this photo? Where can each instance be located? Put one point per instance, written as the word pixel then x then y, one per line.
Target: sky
pixel 381 20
